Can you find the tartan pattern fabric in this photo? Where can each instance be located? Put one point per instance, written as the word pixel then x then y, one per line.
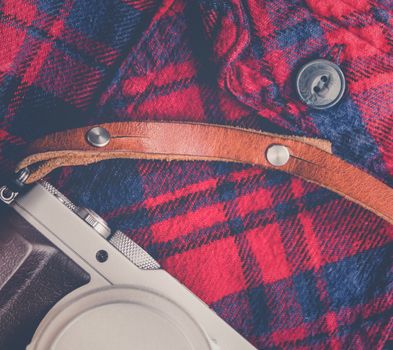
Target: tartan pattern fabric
pixel 286 263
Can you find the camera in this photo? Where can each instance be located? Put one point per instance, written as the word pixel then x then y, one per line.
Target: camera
pixel 68 282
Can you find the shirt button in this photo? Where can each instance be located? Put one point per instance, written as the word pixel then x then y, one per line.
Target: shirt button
pixel 320 84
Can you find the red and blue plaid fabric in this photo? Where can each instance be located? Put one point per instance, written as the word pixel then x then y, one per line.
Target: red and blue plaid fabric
pixel 286 263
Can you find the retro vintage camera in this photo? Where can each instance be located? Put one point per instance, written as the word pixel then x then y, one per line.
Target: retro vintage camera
pixel 68 282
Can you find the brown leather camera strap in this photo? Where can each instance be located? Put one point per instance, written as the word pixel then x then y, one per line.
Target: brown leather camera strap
pixel 310 159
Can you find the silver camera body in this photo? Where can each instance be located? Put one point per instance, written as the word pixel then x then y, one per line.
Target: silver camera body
pixel 129 301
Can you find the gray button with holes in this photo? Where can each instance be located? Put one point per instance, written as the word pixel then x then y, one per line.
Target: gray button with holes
pixel 320 84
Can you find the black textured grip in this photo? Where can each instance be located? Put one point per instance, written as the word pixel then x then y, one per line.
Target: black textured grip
pixel 34 275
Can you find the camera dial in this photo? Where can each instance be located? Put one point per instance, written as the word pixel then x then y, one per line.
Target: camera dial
pixel 94 220
pixel 87 215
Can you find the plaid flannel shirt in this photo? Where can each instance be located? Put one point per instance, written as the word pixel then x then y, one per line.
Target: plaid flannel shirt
pixel 287 263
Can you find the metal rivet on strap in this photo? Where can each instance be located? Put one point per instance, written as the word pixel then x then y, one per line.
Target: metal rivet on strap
pixel 277 155
pixel 98 136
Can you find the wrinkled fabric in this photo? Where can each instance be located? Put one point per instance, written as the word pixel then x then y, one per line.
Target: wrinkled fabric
pixel 288 264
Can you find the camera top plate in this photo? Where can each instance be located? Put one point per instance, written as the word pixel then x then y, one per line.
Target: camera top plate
pixel 166 304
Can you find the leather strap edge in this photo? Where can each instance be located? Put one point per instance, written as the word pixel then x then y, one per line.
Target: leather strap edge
pixel 310 159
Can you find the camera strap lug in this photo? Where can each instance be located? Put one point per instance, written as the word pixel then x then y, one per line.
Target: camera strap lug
pixel 7 196
pixel 9 192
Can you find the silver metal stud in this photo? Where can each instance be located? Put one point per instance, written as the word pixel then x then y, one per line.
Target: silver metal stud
pixel 98 136
pixel 277 155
